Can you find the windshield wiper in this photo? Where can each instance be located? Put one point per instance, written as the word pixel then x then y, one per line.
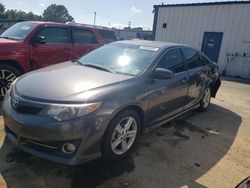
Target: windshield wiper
pixel 76 61
pixel 7 38
pixel 98 67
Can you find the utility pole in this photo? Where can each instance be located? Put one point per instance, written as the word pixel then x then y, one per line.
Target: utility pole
pixel 94 18
pixel 129 24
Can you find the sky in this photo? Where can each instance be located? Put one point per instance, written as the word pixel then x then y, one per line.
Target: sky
pixel 114 13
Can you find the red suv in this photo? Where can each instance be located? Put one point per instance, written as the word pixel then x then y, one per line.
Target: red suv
pixel 30 45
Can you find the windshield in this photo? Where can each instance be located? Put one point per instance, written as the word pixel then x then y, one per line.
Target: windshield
pixel 19 31
pixel 121 58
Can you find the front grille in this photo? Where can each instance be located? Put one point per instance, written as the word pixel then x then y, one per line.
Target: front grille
pixel 27 109
pixel 22 107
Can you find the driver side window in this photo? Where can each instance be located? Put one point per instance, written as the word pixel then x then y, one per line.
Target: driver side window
pixel 172 60
pixel 55 35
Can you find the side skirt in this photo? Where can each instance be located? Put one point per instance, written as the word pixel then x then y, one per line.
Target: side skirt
pixel 146 130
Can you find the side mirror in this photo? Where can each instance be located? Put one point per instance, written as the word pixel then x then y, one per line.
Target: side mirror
pixel 39 39
pixel 161 73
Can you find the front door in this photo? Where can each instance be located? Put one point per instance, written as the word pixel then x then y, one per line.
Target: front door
pixel 211 45
pixel 167 97
pixel 57 48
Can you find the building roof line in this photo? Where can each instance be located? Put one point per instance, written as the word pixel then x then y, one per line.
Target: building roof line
pixel 203 4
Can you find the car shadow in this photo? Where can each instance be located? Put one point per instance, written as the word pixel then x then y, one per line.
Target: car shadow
pixel 173 155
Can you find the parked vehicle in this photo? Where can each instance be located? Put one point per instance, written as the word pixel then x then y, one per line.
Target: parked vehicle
pixel 30 45
pixel 74 112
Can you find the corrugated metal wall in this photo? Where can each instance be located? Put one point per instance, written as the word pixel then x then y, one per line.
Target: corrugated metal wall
pixel 187 24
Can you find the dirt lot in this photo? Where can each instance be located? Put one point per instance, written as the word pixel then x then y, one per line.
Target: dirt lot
pixel 210 149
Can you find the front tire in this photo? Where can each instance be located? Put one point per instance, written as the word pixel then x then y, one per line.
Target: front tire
pixel 8 74
pixel 121 135
pixel 205 101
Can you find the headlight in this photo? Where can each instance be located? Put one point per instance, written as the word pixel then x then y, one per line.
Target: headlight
pixel 11 89
pixel 13 83
pixel 67 112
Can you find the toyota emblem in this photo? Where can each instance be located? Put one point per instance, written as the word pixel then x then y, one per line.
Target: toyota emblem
pixel 15 103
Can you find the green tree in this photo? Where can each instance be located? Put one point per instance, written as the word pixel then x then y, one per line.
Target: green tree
pixel 2 11
pixel 138 28
pixel 57 13
pixel 20 15
pixel 11 14
pixel 32 16
pixel 127 28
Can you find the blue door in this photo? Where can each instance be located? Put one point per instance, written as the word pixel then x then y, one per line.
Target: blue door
pixel 211 45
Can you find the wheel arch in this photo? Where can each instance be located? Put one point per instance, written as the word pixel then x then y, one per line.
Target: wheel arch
pixel 135 107
pixel 138 109
pixel 13 63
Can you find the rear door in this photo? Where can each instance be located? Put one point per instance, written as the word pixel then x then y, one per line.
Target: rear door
pixel 198 74
pixel 168 97
pixel 84 41
pixel 58 47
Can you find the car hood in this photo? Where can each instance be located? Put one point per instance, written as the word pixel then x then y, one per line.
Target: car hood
pixel 8 41
pixel 64 81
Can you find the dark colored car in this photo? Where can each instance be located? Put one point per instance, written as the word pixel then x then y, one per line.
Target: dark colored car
pixel 97 106
pixel 30 45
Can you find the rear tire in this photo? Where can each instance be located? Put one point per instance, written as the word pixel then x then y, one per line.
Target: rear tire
pixel 121 135
pixel 8 74
pixel 205 101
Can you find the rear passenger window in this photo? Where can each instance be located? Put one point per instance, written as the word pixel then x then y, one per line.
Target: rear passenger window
pixel 108 36
pixel 172 60
pixel 193 58
pixel 205 60
pixel 55 35
pixel 84 36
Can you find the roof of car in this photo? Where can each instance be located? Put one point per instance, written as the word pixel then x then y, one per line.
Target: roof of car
pixel 70 24
pixel 44 22
pixel 156 44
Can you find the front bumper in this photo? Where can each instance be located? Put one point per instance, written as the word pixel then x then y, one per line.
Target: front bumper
pixel 44 137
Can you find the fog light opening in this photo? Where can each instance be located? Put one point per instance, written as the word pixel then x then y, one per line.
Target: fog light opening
pixel 68 148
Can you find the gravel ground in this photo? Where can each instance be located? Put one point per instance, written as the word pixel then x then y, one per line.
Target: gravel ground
pixel 208 149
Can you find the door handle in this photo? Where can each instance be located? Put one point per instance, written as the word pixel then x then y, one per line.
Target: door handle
pixel 184 80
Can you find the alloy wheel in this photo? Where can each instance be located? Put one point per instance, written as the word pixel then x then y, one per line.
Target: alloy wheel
pixel 6 78
pixel 206 98
pixel 124 135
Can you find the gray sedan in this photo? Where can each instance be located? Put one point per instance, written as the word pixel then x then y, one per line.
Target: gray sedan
pixel 74 112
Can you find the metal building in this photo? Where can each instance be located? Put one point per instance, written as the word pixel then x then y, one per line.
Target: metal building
pixel 221 30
